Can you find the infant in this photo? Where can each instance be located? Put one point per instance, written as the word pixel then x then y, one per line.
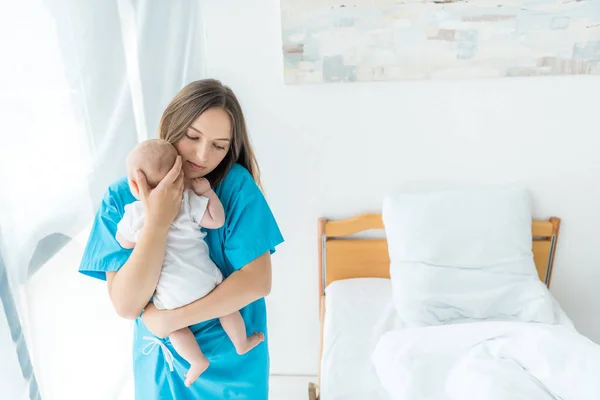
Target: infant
pixel 188 273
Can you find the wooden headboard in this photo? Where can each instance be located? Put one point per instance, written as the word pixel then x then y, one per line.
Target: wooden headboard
pixel 342 258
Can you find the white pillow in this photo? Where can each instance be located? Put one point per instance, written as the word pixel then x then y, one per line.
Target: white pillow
pixel 467 228
pixel 464 255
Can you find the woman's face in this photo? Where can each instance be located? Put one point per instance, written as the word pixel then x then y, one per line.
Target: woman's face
pixel 205 143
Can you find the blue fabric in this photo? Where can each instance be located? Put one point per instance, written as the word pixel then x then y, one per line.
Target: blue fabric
pixel 250 230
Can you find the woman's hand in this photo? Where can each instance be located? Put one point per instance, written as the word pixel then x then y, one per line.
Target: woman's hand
pixel 158 321
pixel 162 203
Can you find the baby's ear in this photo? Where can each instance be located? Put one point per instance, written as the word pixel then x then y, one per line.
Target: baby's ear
pixel 135 189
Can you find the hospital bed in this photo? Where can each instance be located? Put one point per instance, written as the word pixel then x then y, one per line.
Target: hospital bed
pixel 355 298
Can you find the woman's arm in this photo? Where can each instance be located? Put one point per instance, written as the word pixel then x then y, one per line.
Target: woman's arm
pixel 132 286
pixel 248 284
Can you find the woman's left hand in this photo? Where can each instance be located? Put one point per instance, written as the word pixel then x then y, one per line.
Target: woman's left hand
pixel 158 322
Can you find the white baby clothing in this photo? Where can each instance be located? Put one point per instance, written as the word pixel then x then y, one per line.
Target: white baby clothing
pixel 188 273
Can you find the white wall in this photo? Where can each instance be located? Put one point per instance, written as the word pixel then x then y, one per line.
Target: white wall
pixel 335 150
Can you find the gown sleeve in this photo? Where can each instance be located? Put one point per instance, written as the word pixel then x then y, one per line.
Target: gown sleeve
pixel 103 253
pixel 251 228
pixel 198 205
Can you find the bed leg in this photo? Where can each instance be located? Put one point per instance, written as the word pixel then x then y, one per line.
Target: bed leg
pixel 312 391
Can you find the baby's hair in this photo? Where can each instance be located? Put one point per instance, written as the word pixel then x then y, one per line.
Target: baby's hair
pixel 155 157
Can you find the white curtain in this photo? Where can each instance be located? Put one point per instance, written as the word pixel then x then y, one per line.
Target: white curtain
pixel 80 83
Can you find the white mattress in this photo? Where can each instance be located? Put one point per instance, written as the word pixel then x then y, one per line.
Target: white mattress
pixel 357 313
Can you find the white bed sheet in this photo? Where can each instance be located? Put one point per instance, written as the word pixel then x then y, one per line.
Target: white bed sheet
pixel 358 312
pixel 495 360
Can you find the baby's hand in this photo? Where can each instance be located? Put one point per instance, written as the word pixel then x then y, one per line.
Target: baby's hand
pixel 201 186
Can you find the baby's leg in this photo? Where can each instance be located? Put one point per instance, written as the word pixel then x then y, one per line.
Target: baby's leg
pixel 185 344
pixel 233 324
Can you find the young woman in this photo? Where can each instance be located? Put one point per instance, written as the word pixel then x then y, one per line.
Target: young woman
pixel 206 125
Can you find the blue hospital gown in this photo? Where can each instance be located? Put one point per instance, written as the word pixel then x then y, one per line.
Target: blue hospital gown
pixel 250 230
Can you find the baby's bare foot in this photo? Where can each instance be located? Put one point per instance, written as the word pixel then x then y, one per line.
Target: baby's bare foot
pixel 251 342
pixel 196 369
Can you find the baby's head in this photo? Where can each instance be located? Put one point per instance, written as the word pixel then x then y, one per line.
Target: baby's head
pixel 155 157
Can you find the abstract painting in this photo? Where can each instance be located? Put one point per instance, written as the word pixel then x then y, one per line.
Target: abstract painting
pixel 385 40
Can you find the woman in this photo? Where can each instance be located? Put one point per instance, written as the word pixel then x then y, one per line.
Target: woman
pixel 206 125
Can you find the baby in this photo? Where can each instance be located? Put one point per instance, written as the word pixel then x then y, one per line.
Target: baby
pixel 188 273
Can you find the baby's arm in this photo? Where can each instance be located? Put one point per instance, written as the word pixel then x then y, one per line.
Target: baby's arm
pixel 129 226
pixel 214 217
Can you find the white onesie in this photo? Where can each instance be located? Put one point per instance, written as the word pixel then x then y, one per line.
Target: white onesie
pixel 188 273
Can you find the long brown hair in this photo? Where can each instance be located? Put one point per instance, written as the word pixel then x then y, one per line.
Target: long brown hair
pixel 193 100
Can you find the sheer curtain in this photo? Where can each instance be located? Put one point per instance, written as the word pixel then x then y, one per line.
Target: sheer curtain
pixel 81 83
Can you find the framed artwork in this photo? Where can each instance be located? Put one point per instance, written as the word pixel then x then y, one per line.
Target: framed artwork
pixel 385 40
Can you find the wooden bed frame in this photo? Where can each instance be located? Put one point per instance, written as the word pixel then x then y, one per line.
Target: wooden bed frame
pixel 344 258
